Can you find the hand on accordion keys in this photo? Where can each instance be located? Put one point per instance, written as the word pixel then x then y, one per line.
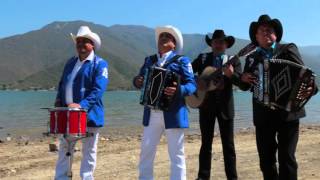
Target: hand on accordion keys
pixel 170 91
pixel 138 81
pixel 248 78
pixel 305 91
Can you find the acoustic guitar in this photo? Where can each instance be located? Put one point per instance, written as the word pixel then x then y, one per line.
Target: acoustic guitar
pixel 212 78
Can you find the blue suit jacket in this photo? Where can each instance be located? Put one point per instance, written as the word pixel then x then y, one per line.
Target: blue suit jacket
pixel 177 116
pixel 89 85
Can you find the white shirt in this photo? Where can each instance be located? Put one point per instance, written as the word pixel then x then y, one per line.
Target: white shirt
pixel 162 60
pixel 72 76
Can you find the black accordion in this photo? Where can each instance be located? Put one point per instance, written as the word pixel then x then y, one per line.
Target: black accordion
pixel 156 79
pixel 279 82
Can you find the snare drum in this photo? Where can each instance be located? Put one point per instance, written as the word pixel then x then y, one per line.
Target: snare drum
pixel 68 121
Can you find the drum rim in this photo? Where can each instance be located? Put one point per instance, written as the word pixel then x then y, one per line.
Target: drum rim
pixel 66 109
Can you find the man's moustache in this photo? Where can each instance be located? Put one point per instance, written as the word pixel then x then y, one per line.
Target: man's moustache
pixel 165 44
pixel 80 46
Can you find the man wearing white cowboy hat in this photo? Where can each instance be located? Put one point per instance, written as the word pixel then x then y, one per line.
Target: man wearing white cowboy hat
pixel 83 82
pixel 171 122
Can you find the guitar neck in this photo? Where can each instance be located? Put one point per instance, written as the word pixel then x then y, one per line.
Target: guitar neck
pixel 232 61
pixel 249 49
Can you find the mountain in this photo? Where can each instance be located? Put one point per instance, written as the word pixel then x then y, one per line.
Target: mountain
pixel 311 50
pixel 36 59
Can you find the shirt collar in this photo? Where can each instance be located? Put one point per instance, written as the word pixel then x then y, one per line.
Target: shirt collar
pixel 90 57
pixel 267 52
pixel 165 55
pixel 220 56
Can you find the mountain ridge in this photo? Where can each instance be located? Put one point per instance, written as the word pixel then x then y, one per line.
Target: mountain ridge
pixel 34 60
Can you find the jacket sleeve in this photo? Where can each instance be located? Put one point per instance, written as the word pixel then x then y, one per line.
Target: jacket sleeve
pixel 235 78
pixel 196 63
pixel 242 85
pixel 188 85
pixel 292 53
pixel 58 97
pixel 99 85
pixel 142 71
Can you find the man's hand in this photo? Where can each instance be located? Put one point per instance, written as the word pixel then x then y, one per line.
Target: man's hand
pixel 170 91
pixel 248 78
pixel 57 103
pixel 228 71
pixel 305 93
pixel 74 105
pixel 138 81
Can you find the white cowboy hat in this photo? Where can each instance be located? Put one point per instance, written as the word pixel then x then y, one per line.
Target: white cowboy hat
pixel 174 32
pixel 85 32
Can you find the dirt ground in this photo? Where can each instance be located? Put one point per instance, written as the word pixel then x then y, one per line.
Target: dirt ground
pixel 118 158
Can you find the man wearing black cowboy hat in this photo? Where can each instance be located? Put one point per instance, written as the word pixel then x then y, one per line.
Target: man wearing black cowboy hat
pixel 276 130
pixel 218 104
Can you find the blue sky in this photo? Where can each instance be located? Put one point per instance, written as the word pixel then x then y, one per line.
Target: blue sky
pixel 300 18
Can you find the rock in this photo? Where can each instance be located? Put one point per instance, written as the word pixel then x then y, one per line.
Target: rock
pixel 8 138
pixel 23 140
pixel 53 147
pixel 13 171
pixel 26 142
pixel 104 139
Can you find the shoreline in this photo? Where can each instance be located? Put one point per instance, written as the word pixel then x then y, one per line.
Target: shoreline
pixel 34 161
pixel 115 132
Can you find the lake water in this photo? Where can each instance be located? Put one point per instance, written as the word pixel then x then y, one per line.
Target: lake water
pixel 20 111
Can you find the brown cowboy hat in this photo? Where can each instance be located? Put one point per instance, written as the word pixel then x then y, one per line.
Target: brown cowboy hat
pixel 219 34
pixel 265 19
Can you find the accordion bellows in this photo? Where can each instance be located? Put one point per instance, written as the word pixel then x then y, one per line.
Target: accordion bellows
pixel 279 83
pixel 156 79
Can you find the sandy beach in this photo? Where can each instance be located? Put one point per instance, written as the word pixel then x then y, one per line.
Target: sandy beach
pixel 118 157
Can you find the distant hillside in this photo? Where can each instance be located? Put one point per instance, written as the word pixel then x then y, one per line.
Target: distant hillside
pixel 311 50
pixel 36 59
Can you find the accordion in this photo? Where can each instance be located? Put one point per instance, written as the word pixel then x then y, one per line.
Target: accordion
pixel 279 82
pixel 156 79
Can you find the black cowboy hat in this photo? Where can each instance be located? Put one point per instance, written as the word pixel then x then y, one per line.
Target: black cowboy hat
pixel 265 19
pixel 219 34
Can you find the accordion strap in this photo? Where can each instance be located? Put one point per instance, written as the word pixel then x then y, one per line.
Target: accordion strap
pixel 281 50
pixel 174 59
pixel 154 58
